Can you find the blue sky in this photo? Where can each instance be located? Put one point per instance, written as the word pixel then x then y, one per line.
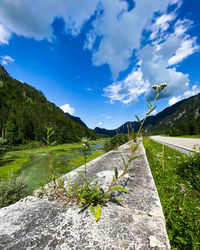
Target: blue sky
pixel 98 59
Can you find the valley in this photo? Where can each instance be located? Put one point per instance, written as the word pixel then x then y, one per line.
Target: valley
pixel 34 166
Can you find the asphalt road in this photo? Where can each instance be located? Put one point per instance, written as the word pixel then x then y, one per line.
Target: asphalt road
pixel 181 144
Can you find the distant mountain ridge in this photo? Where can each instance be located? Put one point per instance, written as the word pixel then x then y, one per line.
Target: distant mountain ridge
pixel 123 129
pixel 76 119
pixel 183 111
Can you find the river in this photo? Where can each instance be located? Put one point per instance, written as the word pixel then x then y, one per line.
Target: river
pixel 37 171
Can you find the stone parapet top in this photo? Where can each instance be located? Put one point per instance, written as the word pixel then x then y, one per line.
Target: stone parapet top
pixel 137 223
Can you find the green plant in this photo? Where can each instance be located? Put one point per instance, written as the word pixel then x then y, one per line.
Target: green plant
pixel 90 194
pixel 190 170
pixel 178 194
pixel 12 189
pixel 2 147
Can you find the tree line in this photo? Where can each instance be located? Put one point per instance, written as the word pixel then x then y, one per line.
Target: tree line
pixel 191 127
pixel 25 111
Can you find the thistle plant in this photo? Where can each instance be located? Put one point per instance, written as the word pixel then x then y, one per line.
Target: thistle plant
pixel 90 194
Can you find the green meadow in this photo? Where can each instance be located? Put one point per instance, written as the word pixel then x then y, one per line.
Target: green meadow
pixel 177 176
pixel 33 164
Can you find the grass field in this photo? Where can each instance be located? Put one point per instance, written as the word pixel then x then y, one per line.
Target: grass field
pixel 177 179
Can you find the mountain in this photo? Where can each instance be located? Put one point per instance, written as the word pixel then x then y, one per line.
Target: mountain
pixel 123 129
pixel 184 113
pixel 76 119
pixel 25 111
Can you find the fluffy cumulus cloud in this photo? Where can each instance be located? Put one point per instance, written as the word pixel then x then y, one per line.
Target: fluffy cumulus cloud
pixel 120 31
pixel 128 90
pixel 194 91
pixel 168 44
pixel 35 18
pixel 187 47
pixel 4 35
pixel 67 108
pixel 6 59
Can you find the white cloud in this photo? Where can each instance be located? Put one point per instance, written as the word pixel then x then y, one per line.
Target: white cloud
pixel 6 59
pixel 99 124
pixel 89 89
pixel 120 31
pixel 129 90
pixel 4 35
pixel 108 117
pixel 155 68
pixel 182 26
pixel 174 100
pixel 158 56
pixel 187 47
pixel 161 24
pixel 34 18
pixel 155 62
pixel 194 91
pixel 68 109
pixel 154 112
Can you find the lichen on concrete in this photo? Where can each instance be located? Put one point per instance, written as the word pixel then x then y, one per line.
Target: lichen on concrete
pixel 137 223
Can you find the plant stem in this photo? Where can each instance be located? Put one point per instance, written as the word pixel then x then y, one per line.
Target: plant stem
pixel 132 151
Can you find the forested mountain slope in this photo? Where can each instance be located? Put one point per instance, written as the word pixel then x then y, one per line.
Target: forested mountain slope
pixel 76 119
pixel 183 115
pixel 181 118
pixel 25 111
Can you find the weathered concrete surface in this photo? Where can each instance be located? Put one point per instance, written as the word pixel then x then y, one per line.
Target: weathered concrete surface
pixel 138 223
pixel 186 145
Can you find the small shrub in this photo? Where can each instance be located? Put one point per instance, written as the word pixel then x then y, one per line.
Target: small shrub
pixel 190 170
pixel 115 142
pixel 12 190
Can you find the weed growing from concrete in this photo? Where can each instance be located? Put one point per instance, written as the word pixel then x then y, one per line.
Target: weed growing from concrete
pixel 90 194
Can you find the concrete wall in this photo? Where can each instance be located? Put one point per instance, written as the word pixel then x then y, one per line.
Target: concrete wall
pixel 136 223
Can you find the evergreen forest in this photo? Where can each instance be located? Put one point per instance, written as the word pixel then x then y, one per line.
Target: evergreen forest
pixel 25 111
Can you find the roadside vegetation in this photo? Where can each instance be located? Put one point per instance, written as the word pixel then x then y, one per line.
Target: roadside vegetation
pixel 191 127
pixel 177 179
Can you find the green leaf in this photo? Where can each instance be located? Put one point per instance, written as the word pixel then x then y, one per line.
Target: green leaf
pixel 124 162
pixel 94 196
pixel 119 188
pixel 130 170
pixel 92 210
pixel 115 199
pixel 134 157
pixel 83 200
pixel 138 119
pixel 98 212
pixel 116 173
pixel 148 107
pixel 148 113
pixel 53 143
pixel 149 102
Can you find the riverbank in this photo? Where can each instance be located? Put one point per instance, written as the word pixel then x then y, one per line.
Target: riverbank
pixel 33 163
